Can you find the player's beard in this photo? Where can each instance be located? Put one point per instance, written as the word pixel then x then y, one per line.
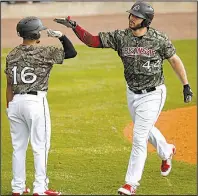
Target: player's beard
pixel 138 26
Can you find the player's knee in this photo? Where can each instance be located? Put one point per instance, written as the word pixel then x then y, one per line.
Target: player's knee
pixel 37 149
pixel 139 149
pixel 139 145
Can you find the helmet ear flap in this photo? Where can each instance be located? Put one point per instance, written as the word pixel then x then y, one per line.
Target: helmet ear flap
pixel 31 36
pixel 36 36
pixel 145 23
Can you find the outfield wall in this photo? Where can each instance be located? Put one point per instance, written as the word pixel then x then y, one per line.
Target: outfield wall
pixel 61 9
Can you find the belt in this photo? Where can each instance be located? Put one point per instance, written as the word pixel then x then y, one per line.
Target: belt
pixel 30 92
pixel 144 91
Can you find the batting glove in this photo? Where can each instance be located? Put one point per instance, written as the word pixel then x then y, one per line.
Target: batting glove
pixel 66 21
pixel 187 93
pixel 52 33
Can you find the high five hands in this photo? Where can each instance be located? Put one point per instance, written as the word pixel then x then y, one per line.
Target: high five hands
pixel 52 33
pixel 66 21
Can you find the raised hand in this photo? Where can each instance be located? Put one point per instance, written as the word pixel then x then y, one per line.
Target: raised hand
pixel 56 34
pixel 66 21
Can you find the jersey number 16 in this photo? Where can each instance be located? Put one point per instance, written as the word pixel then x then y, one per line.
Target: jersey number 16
pixel 24 75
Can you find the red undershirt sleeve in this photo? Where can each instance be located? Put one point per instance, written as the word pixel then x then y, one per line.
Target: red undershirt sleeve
pixel 87 38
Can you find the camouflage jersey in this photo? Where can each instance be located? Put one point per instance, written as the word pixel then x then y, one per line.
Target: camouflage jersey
pixel 28 67
pixel 142 57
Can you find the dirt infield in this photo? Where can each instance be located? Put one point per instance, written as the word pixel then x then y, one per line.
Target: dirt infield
pixel 177 26
pixel 179 127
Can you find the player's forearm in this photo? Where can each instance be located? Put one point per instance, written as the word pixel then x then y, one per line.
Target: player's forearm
pixel 9 94
pixel 87 38
pixel 69 49
pixel 179 69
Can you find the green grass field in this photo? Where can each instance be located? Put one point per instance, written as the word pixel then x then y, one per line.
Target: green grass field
pixel 89 153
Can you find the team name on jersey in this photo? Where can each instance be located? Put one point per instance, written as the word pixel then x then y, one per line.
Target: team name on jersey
pixel 132 51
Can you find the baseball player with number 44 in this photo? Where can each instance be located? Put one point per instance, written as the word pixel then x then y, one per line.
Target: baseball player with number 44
pixel 142 50
pixel 28 69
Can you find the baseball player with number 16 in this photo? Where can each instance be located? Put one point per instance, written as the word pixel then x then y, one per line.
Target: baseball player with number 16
pixel 142 50
pixel 28 69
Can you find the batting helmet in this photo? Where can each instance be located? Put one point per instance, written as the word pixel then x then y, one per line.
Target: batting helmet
pixel 143 10
pixel 30 27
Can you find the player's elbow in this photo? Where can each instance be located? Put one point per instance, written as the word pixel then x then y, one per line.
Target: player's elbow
pixel 74 54
pixel 175 60
pixel 92 45
pixel 95 42
pixel 71 54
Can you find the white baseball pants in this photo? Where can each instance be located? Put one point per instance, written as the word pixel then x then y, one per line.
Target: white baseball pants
pixel 29 120
pixel 145 110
